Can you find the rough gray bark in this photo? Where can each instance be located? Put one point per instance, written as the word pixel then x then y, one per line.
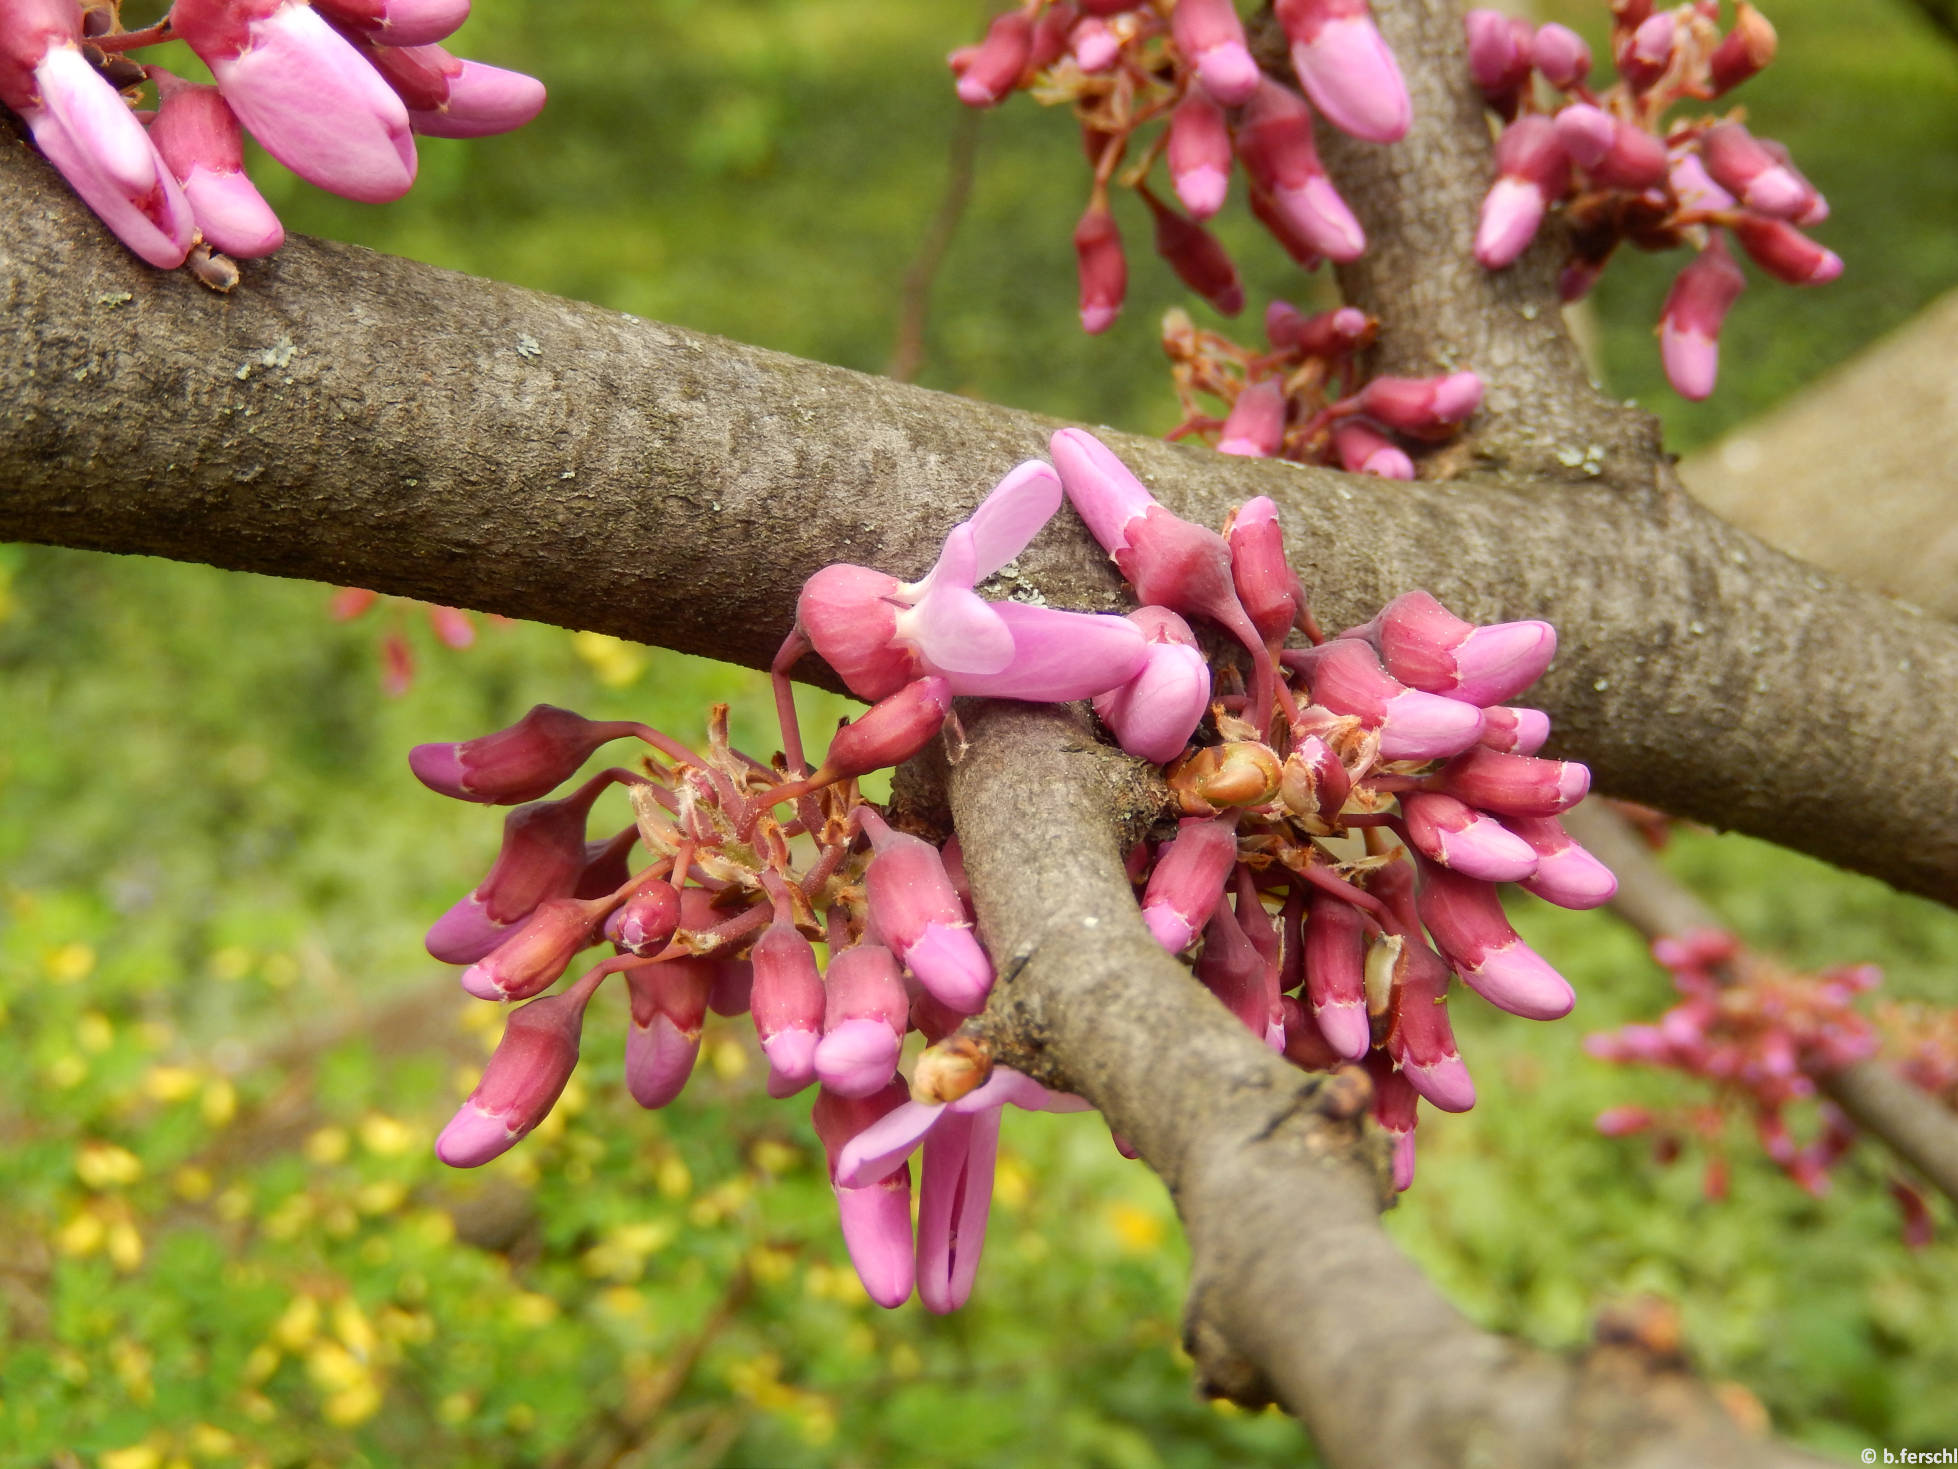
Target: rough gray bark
pixel 1296 1293
pixel 353 418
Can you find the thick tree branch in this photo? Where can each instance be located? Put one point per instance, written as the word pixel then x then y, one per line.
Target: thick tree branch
pixel 1912 1123
pixel 1296 1292
pixel 353 418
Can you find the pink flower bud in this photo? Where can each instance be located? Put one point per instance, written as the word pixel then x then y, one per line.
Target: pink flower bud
pixel 1499 53
pixel 1305 1047
pixel 1050 35
pixel 1784 252
pixel 1363 449
pixel 448 97
pixel 1467 922
pixel 1395 1103
pixel 1255 428
pixel 1645 56
pixel 876 1219
pixel 1514 785
pixel 891 731
pixel 1347 70
pixel 1274 140
pixel 1188 880
pixel 1514 731
pixel 669 1006
pixel 788 1003
pixel 1738 161
pixel 1267 587
pixel 397 22
pixel 1743 51
pixel 1624 1121
pixel 1533 171
pixel 533 957
pixel 1566 874
pixel 994 68
pixel 1427 647
pixel 864 1020
pixel 1265 209
pixel 1315 783
pixel 954 1199
pixel 1096 48
pixel 1561 55
pixel 198 137
pixel 1211 38
pixel 1694 188
pixel 1195 255
pixel 521 763
pixel 1335 973
pixel 524 1078
pixel 1689 324
pixel 918 912
pixel 1615 153
pixel 1464 839
pixel 1345 675
pixel 1424 407
pixel 542 857
pixel 1104 271
pixel 1154 714
pixel 645 921
pixel 1336 333
pixel 1419 1037
pixel 304 92
pixel 1199 153
pixel 1234 971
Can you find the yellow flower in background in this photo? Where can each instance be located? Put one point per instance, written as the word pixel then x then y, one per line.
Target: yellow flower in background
pixel 614 662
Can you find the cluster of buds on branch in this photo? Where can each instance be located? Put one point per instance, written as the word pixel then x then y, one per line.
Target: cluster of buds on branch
pixel 335 90
pixel 1762 1036
pixel 1303 396
pixel 1124 65
pixel 1623 173
pixel 1342 817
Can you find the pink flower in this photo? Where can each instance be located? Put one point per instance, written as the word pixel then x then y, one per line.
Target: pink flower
pixel 198 137
pixel 1211 38
pixel 1533 171
pixel 448 97
pixel 524 1078
pixel 1347 70
pixel 918 913
pixel 1255 428
pixel 304 92
pixel 1199 154
pixel 397 22
pixel 1104 271
pixel 86 130
pixel 1274 140
pixel 875 1213
pixel 1154 714
pixel 993 67
pixel 1689 323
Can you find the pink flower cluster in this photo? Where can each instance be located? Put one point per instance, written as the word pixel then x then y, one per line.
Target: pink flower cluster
pixel 1761 1035
pixel 333 89
pixel 1622 172
pixel 1125 64
pixel 1303 397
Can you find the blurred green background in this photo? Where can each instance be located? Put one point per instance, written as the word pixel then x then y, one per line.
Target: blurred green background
pixel 223 1237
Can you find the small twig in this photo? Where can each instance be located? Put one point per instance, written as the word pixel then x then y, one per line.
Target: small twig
pixel 914 294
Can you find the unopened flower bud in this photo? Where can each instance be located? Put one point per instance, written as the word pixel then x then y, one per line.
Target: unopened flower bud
pixel 1647 53
pixel 1239 773
pixel 1103 269
pixel 1689 323
pixel 1744 50
pixel 1188 880
pixel 1346 68
pixel 1566 874
pixel 522 1082
pixel 669 1006
pixel 645 921
pixel 1464 839
pixel 1199 154
pixel 1499 53
pixel 1267 586
pixel 1363 449
pixel 1345 675
pixel 1466 918
pixel 1314 785
pixel 993 69
pixel 788 1003
pixel 1335 973
pixel 920 917
pixel 1424 407
pixel 1096 48
pixel 1741 163
pixel 1429 648
pixel 1199 261
pixel 1514 731
pixel 1274 140
pixel 1336 333
pixel 864 1020
pixel 1561 55
pixel 1154 714
pixel 1419 1037
pixel 1513 785
pixel 1211 38
pixel 1533 171
pixel 1615 153
pixel 532 958
pixel 1255 427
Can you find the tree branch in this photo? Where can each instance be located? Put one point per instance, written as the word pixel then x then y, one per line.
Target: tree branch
pixel 358 419
pixel 1912 1123
pixel 1296 1293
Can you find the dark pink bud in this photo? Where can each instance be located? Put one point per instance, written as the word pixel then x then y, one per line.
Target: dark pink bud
pixel 851 622
pixel 1305 1047
pixel 1335 973
pixel 1211 38
pixel 1624 1121
pixel 1232 969
pixel 918 912
pixel 1196 256
pixel 1644 56
pixel 1199 154
pixel 1188 880
pixel 1427 647
pixel 788 1003
pixel 1561 55
pixel 520 763
pixel 197 135
pixel 876 1219
pixel 1499 52
pixel 1395 1103
pixel 1104 271
pixel 1615 153
pixel 1466 919
pixel 1419 1037
pixel 1255 428
pixel 993 70
pixel 669 1006
pixel 607 865
pixel 1363 449
pixel 1744 50
pixel 864 1020
pixel 1513 785
pixel 1566 874
pixel 1266 585
pixel 1346 68
pixel 1096 48
pixel 543 856
pixel 1533 171
pixel 1325 334
pixel 1514 731
pixel 397 22
pixel 734 984
pixel 1424 407
pixel 1274 140
pixel 1464 839
pixel 1264 209
pixel 532 958
pixel 645 921
pixel 1689 324
pixel 891 731
pixel 1345 675
pixel 524 1078
pixel 1050 35
pixel 1740 163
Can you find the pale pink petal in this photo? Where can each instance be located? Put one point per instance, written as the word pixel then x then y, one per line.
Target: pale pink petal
pixel 232 214
pixel 1012 515
pixel 483 100
pixel 881 1148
